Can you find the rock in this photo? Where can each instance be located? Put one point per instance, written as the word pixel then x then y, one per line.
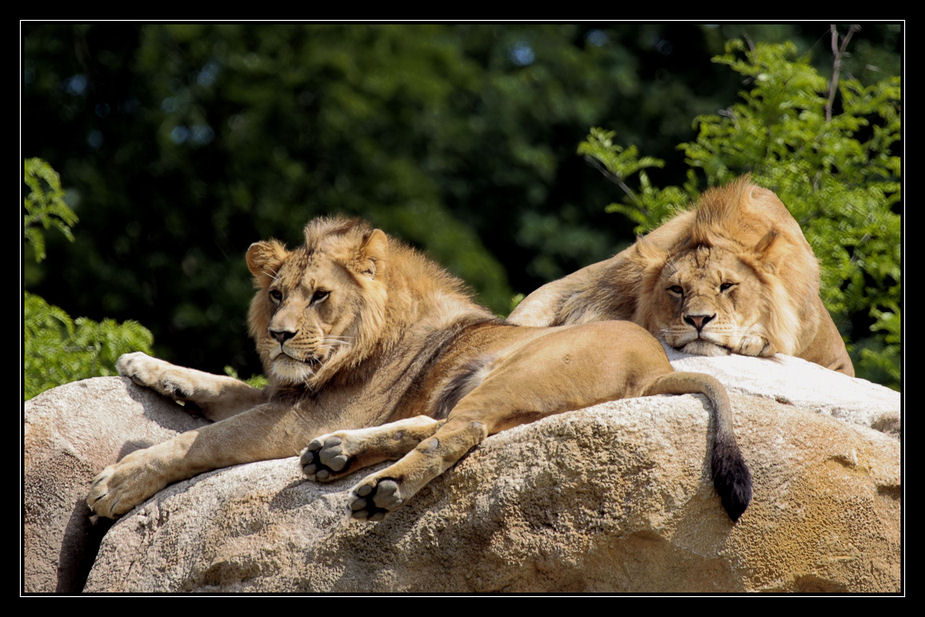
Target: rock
pixel 70 434
pixel 797 382
pixel 612 498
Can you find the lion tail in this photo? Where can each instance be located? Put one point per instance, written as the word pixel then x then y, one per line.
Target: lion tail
pixel 731 478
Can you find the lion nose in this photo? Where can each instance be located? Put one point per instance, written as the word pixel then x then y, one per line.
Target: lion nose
pixel 699 321
pixel 282 335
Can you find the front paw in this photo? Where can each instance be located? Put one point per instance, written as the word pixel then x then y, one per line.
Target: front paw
pixel 162 377
pixel 122 486
pixel 752 345
pixel 326 458
pixel 375 497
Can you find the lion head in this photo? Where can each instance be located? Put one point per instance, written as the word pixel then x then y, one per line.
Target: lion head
pixel 320 307
pixel 741 278
pixel 712 301
pixel 733 274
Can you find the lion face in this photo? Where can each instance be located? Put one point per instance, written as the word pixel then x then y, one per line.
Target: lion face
pixel 318 307
pixel 311 317
pixel 708 301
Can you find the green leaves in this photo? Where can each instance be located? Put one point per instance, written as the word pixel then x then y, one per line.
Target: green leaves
pixel 647 206
pixel 44 206
pixel 840 178
pixel 56 348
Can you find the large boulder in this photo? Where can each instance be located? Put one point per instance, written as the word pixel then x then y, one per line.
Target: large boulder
pixel 70 434
pixel 612 498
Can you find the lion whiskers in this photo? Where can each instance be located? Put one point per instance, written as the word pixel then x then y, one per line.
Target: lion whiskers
pixel 274 276
pixel 715 339
pixel 330 345
pixel 334 341
pixel 298 364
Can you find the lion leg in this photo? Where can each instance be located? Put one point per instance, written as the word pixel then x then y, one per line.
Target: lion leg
pixel 731 478
pixel 217 396
pixel 561 371
pixel 261 433
pixel 334 455
pixel 381 492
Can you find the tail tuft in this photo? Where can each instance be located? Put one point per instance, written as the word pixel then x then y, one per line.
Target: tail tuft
pixel 731 478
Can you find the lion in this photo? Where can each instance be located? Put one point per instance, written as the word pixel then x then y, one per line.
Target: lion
pixel 374 353
pixel 732 275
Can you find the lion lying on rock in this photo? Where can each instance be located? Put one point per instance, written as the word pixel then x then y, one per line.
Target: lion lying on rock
pixel 378 354
pixel 732 275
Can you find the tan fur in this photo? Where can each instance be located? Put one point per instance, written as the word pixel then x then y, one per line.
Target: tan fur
pixel 732 275
pixel 378 354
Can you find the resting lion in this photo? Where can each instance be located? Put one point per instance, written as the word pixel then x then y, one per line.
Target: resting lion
pixel 378 354
pixel 732 275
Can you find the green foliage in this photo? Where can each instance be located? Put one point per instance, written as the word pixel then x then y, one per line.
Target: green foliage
pixel 648 203
pixel 56 348
pixel 256 381
pixel 837 168
pixel 59 349
pixel 44 205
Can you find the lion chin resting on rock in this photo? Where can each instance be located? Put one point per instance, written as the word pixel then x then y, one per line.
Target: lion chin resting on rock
pixel 374 353
pixel 732 275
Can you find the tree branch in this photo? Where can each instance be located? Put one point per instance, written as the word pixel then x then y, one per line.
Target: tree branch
pixel 838 50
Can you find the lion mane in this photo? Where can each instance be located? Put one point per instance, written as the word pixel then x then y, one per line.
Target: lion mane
pixel 733 274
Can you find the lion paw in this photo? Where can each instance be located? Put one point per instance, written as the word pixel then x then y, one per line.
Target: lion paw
pixel 375 497
pixel 162 377
pixel 752 345
pixel 120 487
pixel 326 458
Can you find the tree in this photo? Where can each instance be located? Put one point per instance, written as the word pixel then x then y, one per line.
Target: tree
pixel 833 160
pixel 183 143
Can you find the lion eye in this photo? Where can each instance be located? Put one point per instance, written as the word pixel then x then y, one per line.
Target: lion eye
pixel 677 290
pixel 726 286
pixel 320 296
pixel 276 296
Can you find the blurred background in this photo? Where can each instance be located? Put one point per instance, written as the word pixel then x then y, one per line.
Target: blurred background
pixel 179 145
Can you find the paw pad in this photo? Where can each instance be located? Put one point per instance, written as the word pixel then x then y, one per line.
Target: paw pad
pixel 371 501
pixel 324 458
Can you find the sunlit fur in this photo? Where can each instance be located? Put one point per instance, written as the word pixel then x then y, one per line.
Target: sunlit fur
pixel 740 233
pixel 357 330
pixel 745 263
pixel 353 265
pixel 715 283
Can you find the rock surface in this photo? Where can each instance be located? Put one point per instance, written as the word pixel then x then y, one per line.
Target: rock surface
pixel 612 498
pixel 69 435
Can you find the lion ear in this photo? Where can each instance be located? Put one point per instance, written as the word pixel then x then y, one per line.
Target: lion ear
pixel 370 257
pixel 264 260
pixel 648 252
pixel 771 250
